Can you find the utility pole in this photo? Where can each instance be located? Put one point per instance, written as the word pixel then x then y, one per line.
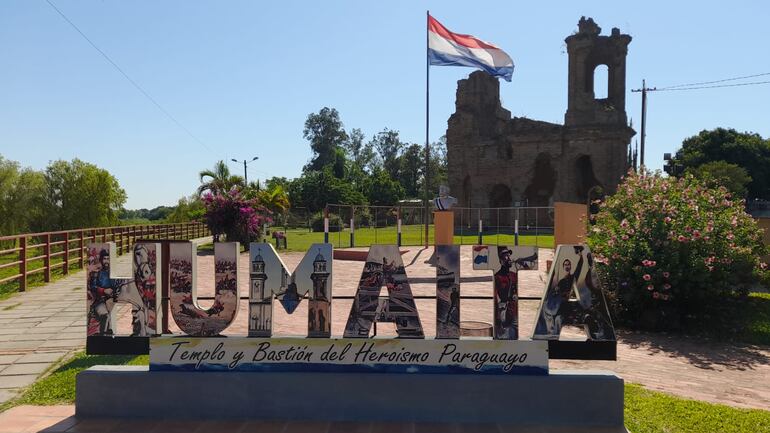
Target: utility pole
pixel 644 90
pixel 245 173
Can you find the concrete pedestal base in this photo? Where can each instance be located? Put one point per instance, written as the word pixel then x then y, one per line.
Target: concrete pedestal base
pixel 580 399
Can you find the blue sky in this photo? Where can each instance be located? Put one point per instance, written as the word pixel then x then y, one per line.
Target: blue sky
pixel 243 76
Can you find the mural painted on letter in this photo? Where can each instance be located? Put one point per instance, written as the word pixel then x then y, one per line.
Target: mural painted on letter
pixel 269 278
pixel 505 262
pixel 104 291
pixel 187 313
pixel 384 267
pixel 573 296
pixel 447 291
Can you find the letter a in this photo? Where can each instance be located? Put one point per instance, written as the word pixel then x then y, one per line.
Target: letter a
pixel 384 267
pixel 573 276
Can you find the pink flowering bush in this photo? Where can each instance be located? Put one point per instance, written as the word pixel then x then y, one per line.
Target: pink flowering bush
pixel 671 250
pixel 237 218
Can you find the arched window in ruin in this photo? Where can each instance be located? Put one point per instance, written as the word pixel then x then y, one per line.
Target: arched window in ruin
pixel 467 191
pixel 585 176
pixel 601 84
pixel 500 196
pixel 540 188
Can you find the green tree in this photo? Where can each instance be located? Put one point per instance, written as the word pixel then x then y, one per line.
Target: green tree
pixel 717 173
pixel 326 134
pixel 315 189
pixel 388 146
pixel 80 194
pixel 383 190
pixel 187 209
pixel 359 153
pixel 744 149
pixel 219 180
pixel 277 181
pixel 21 196
pixel 276 200
pixel 412 168
pixel 437 167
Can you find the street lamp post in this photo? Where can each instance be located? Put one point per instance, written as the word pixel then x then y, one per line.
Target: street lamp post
pixel 245 173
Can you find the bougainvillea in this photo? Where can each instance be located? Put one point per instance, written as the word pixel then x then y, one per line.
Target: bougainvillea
pixel 237 218
pixel 670 249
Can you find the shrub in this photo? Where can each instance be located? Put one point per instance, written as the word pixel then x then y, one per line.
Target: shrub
pixel 234 216
pixel 670 249
pixel 335 222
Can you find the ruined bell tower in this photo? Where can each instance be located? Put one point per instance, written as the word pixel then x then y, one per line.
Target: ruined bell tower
pixel 587 51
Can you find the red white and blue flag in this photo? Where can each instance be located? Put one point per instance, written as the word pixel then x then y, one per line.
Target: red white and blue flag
pixel 452 49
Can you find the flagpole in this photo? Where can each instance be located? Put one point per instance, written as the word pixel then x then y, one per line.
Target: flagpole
pixel 427 126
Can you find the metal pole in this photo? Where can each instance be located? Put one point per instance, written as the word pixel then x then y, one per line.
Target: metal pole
pixel 326 225
pixel 644 122
pixel 427 123
pixel 398 227
pixel 481 229
pixel 516 232
pixel 245 174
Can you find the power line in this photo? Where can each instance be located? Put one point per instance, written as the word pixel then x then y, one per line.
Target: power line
pixel 716 81
pixel 130 80
pixel 670 89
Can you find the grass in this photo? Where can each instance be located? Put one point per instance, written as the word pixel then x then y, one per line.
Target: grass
pixel 746 320
pixel 656 412
pixel 757 319
pixel 9 288
pixel 411 235
pixel 59 386
pixel 645 411
pixel 738 319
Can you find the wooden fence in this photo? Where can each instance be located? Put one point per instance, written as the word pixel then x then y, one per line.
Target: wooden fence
pixel 34 253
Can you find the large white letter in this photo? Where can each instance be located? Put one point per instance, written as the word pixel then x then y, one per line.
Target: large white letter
pixel 269 277
pixel 573 296
pixel 384 267
pixel 104 291
pixel 447 291
pixel 505 262
pixel 187 313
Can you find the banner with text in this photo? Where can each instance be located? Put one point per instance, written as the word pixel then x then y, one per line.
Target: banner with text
pixel 479 356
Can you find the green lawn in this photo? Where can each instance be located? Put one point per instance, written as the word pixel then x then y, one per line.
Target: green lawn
pixel 10 287
pixel 59 386
pixel 653 412
pixel 645 411
pixel 413 235
pixel 740 319
pixel 757 320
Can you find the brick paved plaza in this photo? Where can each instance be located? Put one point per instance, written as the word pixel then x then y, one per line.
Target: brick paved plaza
pixel 40 326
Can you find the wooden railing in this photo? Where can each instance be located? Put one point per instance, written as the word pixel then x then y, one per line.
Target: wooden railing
pixel 33 253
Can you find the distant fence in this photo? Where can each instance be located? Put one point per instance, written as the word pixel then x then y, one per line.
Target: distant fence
pixel 351 226
pixel 32 253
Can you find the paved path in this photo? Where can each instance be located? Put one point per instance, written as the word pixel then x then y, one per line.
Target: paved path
pixel 29 419
pixel 41 325
pixel 50 321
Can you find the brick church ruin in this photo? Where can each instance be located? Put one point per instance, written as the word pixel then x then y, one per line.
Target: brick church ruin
pixel 498 161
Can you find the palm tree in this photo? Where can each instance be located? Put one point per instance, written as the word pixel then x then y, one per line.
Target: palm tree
pixel 276 199
pixel 219 180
